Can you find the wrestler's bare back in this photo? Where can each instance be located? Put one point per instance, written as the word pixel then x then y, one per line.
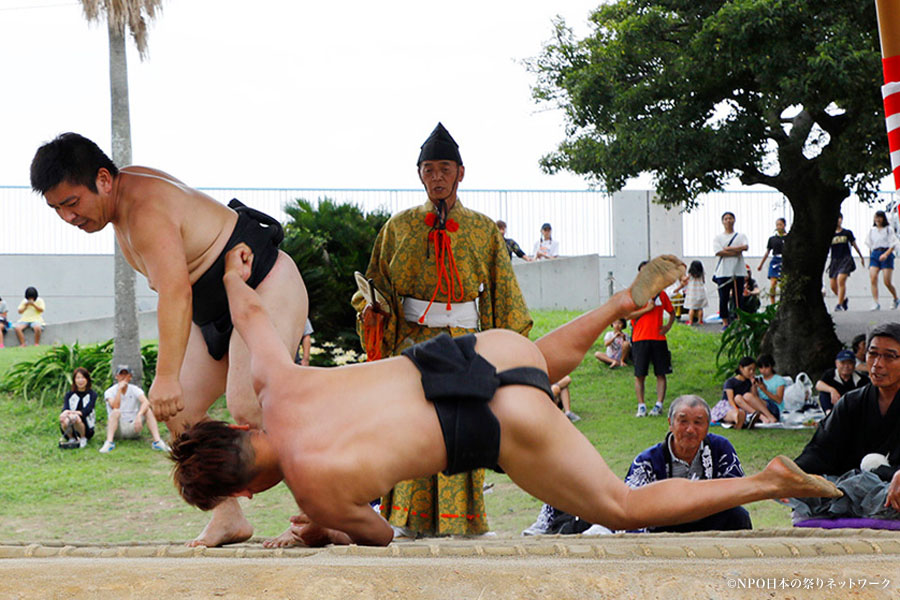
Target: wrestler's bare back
pixel 328 451
pixel 153 204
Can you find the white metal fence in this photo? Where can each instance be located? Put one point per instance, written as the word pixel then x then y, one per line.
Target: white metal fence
pixel 582 220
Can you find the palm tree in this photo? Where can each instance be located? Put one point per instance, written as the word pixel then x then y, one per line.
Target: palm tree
pixel 134 15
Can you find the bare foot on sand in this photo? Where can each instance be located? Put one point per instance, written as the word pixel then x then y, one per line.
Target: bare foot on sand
pixel 654 277
pixel 227 526
pixel 285 540
pixel 793 482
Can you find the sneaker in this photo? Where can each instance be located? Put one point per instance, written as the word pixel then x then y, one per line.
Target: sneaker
pixel 596 530
pixel 896 306
pixel 543 522
pixel 82 442
pixel 839 308
pixel 107 447
pixel 657 410
pixel 875 307
pixel 573 417
pixel 161 446
pixel 846 304
pixel 68 443
pixel 641 411
pixel 751 420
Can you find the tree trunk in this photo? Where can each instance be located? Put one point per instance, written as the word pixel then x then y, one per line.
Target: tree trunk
pixel 801 337
pixel 127 348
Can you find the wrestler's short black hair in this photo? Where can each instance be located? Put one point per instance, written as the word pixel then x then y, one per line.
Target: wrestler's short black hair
pixel 212 462
pixel 71 158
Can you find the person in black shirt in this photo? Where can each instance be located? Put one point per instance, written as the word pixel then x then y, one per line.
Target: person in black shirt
pixel 836 382
pixel 776 247
pixel 511 246
pixel 842 264
pixel 865 421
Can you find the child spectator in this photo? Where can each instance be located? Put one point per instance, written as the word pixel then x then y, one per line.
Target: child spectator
pixel 776 247
pixel 649 345
pixel 77 419
pixel 617 346
pixel 769 385
pixel 751 302
pixel 740 404
pixel 31 314
pixel 695 299
pixel 511 246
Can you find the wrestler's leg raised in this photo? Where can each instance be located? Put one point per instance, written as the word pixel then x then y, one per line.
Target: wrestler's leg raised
pixel 565 347
pixel 549 458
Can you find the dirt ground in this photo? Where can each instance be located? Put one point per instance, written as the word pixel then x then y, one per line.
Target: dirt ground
pixel 816 564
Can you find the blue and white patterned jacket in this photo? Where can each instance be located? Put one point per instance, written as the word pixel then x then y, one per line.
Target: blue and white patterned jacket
pixel 717 456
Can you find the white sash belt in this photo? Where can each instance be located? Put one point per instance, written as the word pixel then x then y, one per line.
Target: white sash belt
pixel 463 314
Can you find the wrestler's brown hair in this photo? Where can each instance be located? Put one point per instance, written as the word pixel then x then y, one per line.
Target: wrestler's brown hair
pixel 212 461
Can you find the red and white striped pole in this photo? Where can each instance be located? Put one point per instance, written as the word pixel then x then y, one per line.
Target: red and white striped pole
pixel 889 31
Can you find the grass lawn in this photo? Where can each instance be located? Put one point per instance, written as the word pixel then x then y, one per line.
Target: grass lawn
pixel 49 494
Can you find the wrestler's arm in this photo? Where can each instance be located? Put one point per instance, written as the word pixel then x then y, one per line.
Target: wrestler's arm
pixel 251 320
pixel 157 240
pixel 358 523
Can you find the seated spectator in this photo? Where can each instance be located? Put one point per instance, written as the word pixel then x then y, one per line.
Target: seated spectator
pixel 560 391
pixel 691 452
pixel 546 247
pixel 739 404
pixel 858 346
pixel 836 382
pixel 31 314
pixel 617 346
pixel 127 408
pixel 77 419
pixel 511 246
pixel 865 421
pixel 4 321
pixel 769 385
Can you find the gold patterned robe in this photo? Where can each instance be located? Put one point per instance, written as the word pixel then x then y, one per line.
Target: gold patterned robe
pixel 403 265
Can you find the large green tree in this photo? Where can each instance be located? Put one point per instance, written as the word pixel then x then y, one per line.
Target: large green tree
pixel 119 15
pixel 697 92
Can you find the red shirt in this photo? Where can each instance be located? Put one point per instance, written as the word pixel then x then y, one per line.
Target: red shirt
pixel 647 326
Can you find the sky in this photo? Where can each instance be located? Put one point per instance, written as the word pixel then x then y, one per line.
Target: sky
pixel 279 93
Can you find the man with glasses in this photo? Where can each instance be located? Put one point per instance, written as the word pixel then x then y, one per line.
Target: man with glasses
pixel 866 421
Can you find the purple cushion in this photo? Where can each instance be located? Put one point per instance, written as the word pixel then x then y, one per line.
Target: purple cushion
pixel 849 523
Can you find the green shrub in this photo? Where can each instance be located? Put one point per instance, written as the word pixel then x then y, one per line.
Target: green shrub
pixel 330 241
pixel 51 373
pixel 743 337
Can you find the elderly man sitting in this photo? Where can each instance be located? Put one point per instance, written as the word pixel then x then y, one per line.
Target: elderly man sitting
pixel 691 452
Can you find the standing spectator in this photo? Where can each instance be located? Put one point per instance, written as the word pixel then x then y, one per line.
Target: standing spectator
pixel 649 344
pixel 691 452
pixel 546 247
pixel 305 344
pixel 441 268
pixel 617 346
pixel 775 245
pixel 882 242
pixel 695 299
pixel 77 419
pixel 769 385
pixel 4 321
pixel 729 246
pixel 127 408
pixel 31 314
pixel 511 244
pixel 836 382
pixel 842 264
